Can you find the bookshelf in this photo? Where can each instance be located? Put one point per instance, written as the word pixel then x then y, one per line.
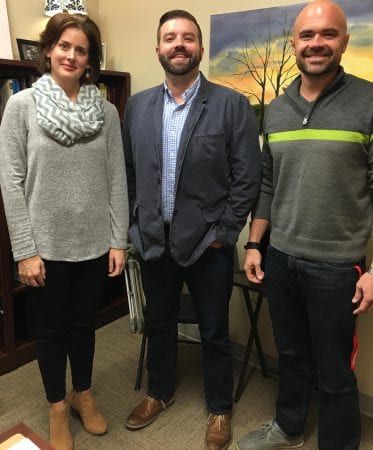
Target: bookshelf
pixel 17 345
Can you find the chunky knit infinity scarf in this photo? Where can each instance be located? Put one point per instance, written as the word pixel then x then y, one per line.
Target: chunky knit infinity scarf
pixel 63 120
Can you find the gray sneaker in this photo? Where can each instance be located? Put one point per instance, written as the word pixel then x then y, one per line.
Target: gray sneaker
pixel 269 437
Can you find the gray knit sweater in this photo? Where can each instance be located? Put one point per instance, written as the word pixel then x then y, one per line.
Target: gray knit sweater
pixel 62 203
pixel 317 186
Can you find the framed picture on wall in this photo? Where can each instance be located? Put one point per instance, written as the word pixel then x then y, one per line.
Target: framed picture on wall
pixel 28 50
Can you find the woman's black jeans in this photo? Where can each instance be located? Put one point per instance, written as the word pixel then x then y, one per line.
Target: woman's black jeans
pixel 65 311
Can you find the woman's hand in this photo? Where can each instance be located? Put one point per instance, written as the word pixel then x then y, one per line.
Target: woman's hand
pixel 117 258
pixel 31 271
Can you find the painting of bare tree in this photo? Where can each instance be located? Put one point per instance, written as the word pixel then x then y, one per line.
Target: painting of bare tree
pixel 251 51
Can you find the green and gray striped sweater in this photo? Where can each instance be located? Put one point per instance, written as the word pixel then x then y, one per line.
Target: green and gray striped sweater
pixel 317 186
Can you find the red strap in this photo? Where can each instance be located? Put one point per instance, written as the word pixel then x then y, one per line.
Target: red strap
pixel 359 270
pixel 355 342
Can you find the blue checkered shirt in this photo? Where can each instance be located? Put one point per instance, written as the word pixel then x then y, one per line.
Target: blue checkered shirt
pixel 174 117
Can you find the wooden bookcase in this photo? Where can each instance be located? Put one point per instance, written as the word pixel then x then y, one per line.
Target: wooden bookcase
pixel 17 345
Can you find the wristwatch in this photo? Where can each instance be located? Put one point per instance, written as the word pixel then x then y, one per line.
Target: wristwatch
pixel 370 270
pixel 254 245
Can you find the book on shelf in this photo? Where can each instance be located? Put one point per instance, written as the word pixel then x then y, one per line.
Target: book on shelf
pixel 12 86
pixel 6 90
pixel 103 90
pixel 111 95
pixel 28 81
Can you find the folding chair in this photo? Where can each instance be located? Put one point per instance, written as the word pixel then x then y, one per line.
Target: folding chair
pixel 240 280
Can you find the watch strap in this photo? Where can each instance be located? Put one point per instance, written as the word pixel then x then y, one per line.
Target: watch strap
pixel 252 245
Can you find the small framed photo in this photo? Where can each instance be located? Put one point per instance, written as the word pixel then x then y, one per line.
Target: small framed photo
pixel 103 62
pixel 28 50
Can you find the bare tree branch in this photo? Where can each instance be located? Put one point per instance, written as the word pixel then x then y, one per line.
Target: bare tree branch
pixel 264 61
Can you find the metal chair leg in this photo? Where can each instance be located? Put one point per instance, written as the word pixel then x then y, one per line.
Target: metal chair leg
pixel 254 329
pixel 141 361
pixel 253 336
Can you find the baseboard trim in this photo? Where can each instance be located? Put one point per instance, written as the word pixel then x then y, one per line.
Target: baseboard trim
pixel 366 404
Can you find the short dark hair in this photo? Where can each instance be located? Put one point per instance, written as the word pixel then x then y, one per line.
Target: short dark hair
pixel 52 33
pixel 178 14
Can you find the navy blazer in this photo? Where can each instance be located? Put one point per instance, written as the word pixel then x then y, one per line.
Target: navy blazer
pixel 218 171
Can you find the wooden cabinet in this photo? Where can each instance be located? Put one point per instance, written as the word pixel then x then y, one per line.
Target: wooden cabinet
pixel 17 345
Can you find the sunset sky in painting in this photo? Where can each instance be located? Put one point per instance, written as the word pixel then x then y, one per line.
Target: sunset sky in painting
pixel 230 33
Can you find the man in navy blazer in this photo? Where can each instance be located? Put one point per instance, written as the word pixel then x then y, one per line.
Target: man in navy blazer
pixel 193 167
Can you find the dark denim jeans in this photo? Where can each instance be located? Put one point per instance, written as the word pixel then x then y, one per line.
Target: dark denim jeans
pixel 210 282
pixel 311 312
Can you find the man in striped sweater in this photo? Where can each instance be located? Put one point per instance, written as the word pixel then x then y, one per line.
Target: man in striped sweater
pixel 317 191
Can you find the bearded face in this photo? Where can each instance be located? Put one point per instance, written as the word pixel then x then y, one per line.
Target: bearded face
pixel 179 50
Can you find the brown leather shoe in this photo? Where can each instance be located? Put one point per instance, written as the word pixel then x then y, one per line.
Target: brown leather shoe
pixel 218 434
pixel 146 412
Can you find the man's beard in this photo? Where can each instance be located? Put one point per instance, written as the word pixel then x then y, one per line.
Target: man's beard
pixel 179 69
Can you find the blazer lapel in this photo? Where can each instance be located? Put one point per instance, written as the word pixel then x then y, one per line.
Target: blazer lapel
pixel 157 113
pixel 191 122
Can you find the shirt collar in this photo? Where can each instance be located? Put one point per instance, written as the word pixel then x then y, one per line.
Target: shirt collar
pixel 188 93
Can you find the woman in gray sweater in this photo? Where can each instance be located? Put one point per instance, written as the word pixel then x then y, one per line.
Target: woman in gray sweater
pixel 64 190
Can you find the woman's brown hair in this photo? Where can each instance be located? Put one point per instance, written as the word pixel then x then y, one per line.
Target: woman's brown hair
pixel 52 33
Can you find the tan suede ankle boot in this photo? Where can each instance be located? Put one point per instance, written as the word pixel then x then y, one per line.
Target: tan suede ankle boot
pixel 84 405
pixel 59 429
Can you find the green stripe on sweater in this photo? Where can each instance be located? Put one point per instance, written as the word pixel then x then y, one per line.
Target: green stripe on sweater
pixel 320 135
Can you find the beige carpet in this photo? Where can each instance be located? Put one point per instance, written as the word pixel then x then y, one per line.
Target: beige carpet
pixel 182 427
